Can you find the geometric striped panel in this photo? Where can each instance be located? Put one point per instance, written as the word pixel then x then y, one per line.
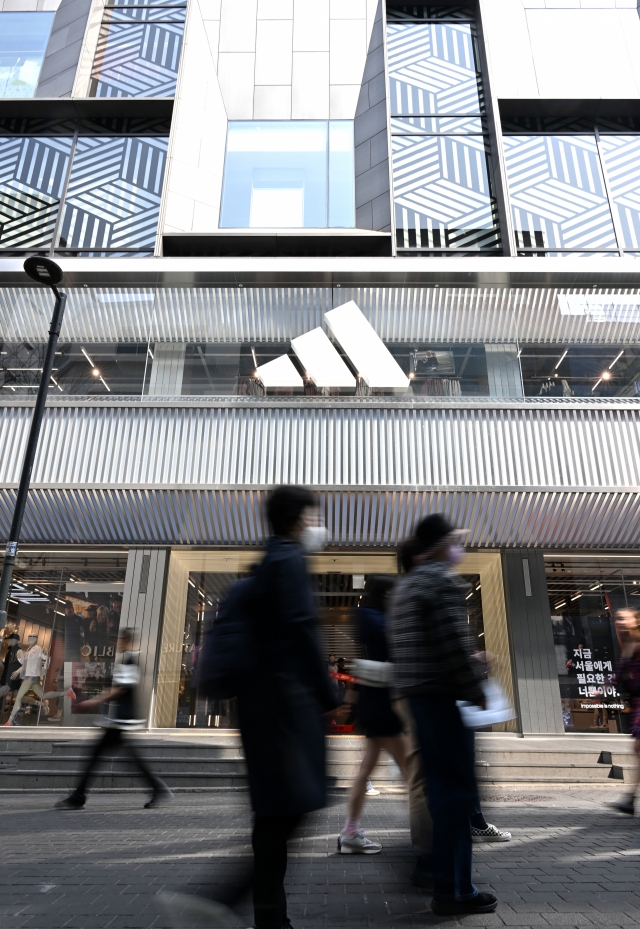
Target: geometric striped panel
pixel 557 192
pixel 432 69
pixel 622 163
pixel 32 176
pixel 442 193
pixel 138 52
pixel 113 197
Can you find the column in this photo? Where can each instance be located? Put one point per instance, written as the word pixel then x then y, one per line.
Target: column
pixel 532 649
pixel 141 610
pixel 167 370
pixel 503 371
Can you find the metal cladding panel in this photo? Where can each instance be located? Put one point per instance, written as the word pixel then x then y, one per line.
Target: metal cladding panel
pixel 257 446
pixel 278 314
pixel 355 518
pixel 173 475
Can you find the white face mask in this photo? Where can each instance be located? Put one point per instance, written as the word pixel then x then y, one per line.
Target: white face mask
pixel 455 554
pixel 314 538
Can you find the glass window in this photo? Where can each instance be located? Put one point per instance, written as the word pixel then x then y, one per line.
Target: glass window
pixel 113 197
pixel 113 186
pixel 441 163
pixel 580 370
pixel 23 42
pixel 289 175
pixel 66 605
pixel 32 181
pixel 558 196
pixel 622 163
pixel 432 69
pixel 584 593
pixel 138 50
pixel 442 192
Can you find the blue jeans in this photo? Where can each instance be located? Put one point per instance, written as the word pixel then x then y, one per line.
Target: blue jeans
pixel 446 747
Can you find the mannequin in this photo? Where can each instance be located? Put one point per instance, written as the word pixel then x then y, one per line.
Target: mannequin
pixel 34 663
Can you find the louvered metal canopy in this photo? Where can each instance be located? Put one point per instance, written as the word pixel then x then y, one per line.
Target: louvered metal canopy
pixel 552 476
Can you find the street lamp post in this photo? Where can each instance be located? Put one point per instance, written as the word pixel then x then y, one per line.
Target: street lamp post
pixel 47 272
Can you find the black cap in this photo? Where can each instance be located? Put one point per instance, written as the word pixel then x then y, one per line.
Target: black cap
pixel 432 530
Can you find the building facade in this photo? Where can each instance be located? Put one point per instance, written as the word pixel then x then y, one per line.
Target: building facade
pixel 385 250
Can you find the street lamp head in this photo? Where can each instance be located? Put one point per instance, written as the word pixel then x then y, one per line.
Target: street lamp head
pixel 43 270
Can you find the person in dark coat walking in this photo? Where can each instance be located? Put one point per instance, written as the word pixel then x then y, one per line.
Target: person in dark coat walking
pixel 280 713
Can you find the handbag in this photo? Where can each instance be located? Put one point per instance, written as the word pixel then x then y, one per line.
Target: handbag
pixel 498 709
pixel 373 673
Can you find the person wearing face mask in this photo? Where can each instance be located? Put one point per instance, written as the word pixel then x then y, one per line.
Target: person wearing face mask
pixel 434 668
pixel 280 716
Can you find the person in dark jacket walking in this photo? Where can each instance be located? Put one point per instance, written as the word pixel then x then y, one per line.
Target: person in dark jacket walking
pixel 435 668
pixel 280 714
pixel 628 682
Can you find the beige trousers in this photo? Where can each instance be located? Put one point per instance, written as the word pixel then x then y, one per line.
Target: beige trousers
pixel 420 822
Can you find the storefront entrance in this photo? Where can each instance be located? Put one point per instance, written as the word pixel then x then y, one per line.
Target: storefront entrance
pixel 198 580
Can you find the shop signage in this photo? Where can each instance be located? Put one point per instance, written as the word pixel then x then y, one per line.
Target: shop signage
pixel 362 345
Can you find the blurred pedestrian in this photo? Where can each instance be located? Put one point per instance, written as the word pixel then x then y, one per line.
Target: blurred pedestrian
pixel 122 717
pixel 382 728
pixel 435 667
pixel 280 715
pixel 628 683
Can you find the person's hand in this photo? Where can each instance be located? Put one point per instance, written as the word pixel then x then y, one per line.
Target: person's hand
pixel 15 674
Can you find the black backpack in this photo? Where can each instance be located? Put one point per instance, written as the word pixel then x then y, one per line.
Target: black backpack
pixel 230 656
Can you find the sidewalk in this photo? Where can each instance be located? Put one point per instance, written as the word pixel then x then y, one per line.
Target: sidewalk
pixel 570 863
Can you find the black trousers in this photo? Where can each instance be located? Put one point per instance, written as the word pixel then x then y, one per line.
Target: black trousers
pixel 269 840
pixel 113 739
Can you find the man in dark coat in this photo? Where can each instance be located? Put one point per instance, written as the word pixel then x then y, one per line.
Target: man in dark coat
pixel 280 714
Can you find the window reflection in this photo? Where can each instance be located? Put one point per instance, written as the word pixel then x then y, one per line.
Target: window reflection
pixel 70 603
pixel 290 174
pixel 580 370
pixel 584 593
pixel 23 42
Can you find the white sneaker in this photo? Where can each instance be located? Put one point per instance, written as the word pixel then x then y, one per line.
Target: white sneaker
pixel 371 792
pixel 490 834
pixel 357 844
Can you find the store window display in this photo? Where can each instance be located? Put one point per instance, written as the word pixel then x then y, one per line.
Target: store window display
pixel 33 663
pixel 59 645
pixel 585 592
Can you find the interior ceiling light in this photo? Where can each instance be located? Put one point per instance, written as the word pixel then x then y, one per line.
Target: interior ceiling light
pixel 605 375
pixel 596 384
pixel 96 372
pixel 562 358
pixel 105 384
pixel 89 359
pixel 616 359
pixel 577 597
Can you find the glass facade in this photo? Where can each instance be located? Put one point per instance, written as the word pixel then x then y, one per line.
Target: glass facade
pixel 441 162
pixel 575 193
pixel 109 174
pixel 23 42
pixel 212 342
pixel 337 596
pixel 139 46
pixel 69 601
pixel 291 175
pixel 585 591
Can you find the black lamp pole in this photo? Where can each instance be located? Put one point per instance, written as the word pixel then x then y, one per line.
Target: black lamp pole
pixel 44 271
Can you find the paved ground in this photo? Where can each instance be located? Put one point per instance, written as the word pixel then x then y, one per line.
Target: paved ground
pixel 570 863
